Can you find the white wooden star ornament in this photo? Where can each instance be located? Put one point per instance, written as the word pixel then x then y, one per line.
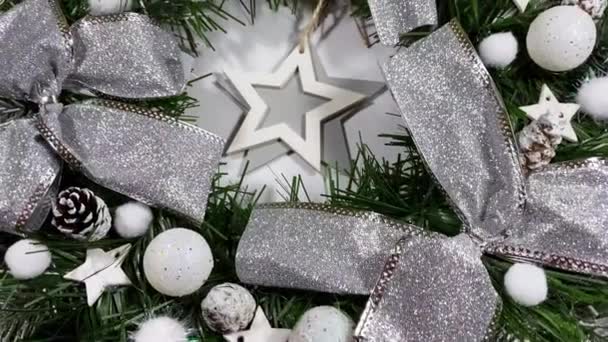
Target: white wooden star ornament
pixel 521 4
pixel 558 113
pixel 260 331
pixel 251 133
pixel 100 271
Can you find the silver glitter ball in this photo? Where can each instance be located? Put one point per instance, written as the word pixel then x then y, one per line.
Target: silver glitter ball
pixel 228 308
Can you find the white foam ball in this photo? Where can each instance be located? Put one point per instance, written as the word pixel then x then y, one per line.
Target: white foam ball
pixel 27 259
pixel 592 98
pixel 104 7
pixel 161 329
pixel 323 324
pixel 498 50
pixel 526 284
pixel 561 38
pixel 132 219
pixel 177 262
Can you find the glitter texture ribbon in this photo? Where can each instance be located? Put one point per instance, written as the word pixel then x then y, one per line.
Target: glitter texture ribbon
pixel 128 149
pixel 394 17
pixel 430 287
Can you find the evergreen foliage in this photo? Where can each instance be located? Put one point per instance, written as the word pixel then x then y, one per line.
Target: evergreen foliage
pixel 50 308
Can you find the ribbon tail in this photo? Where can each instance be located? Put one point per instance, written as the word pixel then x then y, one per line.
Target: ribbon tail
pixel 431 289
pixel 140 153
pixel 145 60
pixel 461 128
pixel 317 247
pixel 29 176
pixel 566 221
pixel 394 17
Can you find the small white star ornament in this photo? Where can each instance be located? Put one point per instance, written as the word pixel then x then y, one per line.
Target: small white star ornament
pixel 260 331
pixel 521 4
pixel 307 146
pixel 559 114
pixel 100 271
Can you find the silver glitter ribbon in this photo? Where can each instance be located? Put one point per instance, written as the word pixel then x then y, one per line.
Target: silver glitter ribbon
pixel 140 153
pixel 394 17
pixel 430 287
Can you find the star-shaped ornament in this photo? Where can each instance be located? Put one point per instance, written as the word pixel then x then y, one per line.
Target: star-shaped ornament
pixel 308 145
pixel 290 103
pixel 521 4
pixel 100 271
pixel 559 114
pixel 260 331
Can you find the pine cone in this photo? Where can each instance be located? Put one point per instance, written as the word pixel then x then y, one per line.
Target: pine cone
pixel 537 142
pixel 80 214
pixel 595 8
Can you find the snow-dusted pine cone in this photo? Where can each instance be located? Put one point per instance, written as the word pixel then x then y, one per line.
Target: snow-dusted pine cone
pixel 537 143
pixel 80 214
pixel 595 8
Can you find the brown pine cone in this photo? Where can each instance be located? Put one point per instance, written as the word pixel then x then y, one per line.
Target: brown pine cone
pixel 81 215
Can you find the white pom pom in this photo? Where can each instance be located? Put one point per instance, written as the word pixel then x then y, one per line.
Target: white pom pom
pixel 132 219
pixel 526 284
pixel 592 98
pixel 161 329
pixel 498 50
pixel 27 259
pixel 103 7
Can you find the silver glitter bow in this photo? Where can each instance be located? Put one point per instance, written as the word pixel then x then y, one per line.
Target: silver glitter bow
pixel 394 17
pixel 138 152
pixel 430 287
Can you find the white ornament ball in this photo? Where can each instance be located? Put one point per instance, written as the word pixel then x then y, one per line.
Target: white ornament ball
pixel 177 262
pixel 132 219
pixel 27 259
pixel 323 324
pixel 498 50
pixel 228 308
pixel 526 284
pixel 104 7
pixel 592 96
pixel 161 329
pixel 561 38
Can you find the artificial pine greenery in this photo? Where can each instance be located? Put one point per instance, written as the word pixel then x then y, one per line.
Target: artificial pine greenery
pixel 50 308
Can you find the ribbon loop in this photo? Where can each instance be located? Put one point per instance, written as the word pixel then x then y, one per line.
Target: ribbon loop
pixel 28 174
pixel 34 53
pixel 393 17
pixel 137 152
pixel 566 218
pixel 432 289
pixel 127 56
pixel 460 127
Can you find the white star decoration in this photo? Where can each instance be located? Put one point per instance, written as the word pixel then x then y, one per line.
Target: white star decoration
pixel 251 133
pixel 260 331
pixel 521 4
pixel 100 271
pixel 558 113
